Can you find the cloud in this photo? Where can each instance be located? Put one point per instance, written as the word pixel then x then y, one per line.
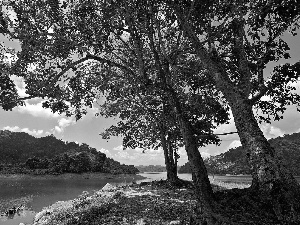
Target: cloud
pixel 26 130
pixel 65 122
pixel 226 128
pixel 234 144
pixel 205 154
pixel 36 110
pixel 123 154
pixel 62 124
pixel 118 148
pixel 57 129
pixel 106 152
pixel 271 131
pixel 20 85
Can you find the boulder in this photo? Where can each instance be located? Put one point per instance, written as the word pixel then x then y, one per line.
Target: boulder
pixel 109 187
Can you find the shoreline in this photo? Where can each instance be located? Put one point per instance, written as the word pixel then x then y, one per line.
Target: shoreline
pixel 90 175
pixel 144 203
pixel 156 203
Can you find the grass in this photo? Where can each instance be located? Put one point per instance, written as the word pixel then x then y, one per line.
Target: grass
pixel 148 203
pixel 219 185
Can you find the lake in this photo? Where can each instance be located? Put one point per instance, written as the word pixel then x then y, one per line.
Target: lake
pixel 187 176
pixel 37 192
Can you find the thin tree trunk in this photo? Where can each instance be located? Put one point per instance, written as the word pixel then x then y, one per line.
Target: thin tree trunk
pixel 203 189
pixel 172 160
pixel 271 177
pixel 171 174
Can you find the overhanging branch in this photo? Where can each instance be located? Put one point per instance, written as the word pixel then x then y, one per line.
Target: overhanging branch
pixel 91 57
pixel 257 97
pixel 207 135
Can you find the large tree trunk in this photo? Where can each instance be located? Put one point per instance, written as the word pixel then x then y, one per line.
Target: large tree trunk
pixel 201 181
pixel 172 160
pixel 271 178
pixel 203 189
pixel 169 159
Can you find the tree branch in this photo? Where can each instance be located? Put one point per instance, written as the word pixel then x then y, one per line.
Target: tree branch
pixel 216 71
pixel 91 57
pixel 206 135
pixel 244 71
pixel 263 90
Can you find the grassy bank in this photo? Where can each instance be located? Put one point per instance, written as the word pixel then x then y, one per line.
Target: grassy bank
pixel 154 203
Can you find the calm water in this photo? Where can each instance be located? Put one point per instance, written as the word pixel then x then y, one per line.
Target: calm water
pixel 40 192
pixel 188 176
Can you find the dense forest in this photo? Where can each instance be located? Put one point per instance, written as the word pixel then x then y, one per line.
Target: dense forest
pixel 23 153
pixel 234 160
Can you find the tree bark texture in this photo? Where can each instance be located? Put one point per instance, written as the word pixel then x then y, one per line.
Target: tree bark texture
pixel 270 176
pixel 203 189
pixel 171 167
pixel 172 159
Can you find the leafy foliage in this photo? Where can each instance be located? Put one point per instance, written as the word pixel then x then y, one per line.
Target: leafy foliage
pixel 239 40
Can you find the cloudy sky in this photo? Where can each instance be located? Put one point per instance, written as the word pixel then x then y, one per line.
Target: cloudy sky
pixel 39 122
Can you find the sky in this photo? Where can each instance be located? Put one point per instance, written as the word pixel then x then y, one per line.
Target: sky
pixel 38 121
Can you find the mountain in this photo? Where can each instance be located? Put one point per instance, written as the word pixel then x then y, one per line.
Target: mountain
pixel 234 160
pixel 23 153
pixel 151 168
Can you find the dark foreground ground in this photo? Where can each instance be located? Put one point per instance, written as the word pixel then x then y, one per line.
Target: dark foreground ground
pixel 156 203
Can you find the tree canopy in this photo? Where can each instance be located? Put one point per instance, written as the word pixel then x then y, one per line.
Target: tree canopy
pixel 198 57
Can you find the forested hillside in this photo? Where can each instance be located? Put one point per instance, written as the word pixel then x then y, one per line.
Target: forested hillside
pixel 23 153
pixel 234 160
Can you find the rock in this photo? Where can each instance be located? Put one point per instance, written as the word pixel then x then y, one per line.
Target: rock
pixel 109 187
pixel 140 222
pixel 21 224
pixel 174 222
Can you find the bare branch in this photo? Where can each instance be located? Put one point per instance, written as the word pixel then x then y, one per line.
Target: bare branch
pixel 207 135
pixel 235 132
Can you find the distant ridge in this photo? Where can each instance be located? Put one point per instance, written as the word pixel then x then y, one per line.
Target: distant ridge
pixel 151 168
pixel 234 160
pixel 23 153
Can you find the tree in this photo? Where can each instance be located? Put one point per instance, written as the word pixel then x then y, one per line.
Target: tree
pixel 144 125
pixel 234 42
pixel 88 49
